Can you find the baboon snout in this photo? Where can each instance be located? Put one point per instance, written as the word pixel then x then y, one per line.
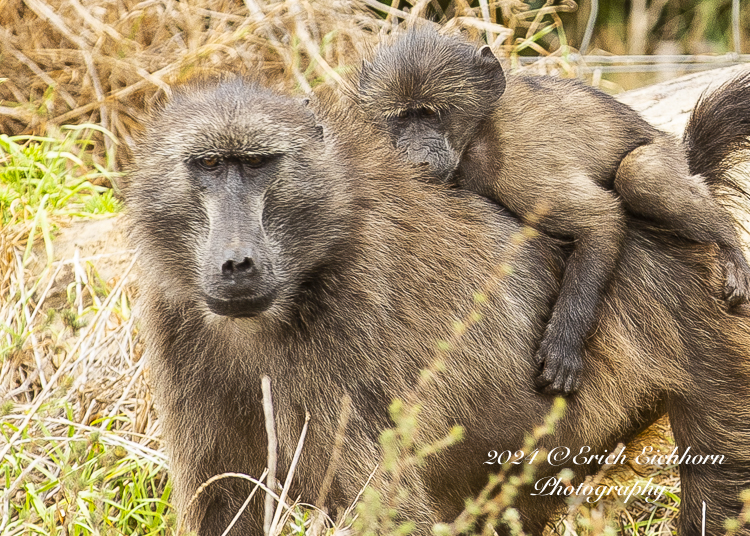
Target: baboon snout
pixel 439 162
pixel 236 265
pixel 431 150
pixel 238 282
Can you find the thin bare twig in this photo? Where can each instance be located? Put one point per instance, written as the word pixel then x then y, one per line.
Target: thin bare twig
pixel 289 476
pixel 349 509
pixel 346 412
pixel 258 483
pixel 272 450
pixel 242 509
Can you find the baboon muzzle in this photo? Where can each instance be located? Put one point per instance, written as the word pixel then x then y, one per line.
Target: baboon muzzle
pixel 237 281
pixel 429 147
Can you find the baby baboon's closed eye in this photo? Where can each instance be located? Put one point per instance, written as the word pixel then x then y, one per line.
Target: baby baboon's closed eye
pixel 416 112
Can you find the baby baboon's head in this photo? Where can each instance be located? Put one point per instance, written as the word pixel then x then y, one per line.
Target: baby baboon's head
pixel 430 93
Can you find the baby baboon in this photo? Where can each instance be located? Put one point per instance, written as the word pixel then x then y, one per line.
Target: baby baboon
pixel 561 155
pixel 268 249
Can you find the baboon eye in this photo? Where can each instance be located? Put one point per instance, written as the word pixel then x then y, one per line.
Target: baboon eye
pixel 255 161
pixel 427 111
pixel 210 162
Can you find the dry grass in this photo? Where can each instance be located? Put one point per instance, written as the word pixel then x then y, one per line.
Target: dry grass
pixel 67 61
pixel 81 450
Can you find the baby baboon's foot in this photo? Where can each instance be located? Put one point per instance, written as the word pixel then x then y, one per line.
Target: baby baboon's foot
pixel 736 277
pixel 560 366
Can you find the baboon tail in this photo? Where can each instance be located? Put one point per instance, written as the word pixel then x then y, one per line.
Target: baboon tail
pixel 717 131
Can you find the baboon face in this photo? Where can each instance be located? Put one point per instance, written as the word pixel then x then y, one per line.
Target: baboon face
pixel 430 93
pixel 231 212
pixel 237 273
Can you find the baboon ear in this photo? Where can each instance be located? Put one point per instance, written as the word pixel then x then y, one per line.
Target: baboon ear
pixel 491 65
pixel 305 101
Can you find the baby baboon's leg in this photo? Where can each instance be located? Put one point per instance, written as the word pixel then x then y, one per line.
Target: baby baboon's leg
pixel 594 218
pixel 654 182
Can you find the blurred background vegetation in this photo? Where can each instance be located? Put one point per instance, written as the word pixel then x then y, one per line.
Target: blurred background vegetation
pixel 662 26
pixel 630 26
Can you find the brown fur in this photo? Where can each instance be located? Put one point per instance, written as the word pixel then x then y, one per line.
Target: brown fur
pixel 562 156
pixel 368 269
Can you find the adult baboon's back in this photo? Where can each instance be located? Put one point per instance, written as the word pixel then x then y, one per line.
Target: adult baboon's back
pixel 268 248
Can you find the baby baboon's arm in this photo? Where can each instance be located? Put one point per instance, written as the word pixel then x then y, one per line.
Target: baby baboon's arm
pixel 594 218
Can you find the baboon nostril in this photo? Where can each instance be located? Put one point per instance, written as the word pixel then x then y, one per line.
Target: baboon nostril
pixel 233 267
pixel 245 265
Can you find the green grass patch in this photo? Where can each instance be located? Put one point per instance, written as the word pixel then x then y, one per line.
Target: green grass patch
pixel 75 480
pixel 43 175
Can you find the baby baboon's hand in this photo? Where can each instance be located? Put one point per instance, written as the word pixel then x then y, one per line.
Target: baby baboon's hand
pixel 560 364
pixel 737 277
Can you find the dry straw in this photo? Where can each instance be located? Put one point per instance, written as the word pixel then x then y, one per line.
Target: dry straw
pixel 69 61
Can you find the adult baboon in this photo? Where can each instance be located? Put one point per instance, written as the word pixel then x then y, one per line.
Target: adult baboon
pixel 267 248
pixel 554 152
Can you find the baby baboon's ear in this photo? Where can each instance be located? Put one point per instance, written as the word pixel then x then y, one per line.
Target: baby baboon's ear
pixel 318 127
pixel 489 63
